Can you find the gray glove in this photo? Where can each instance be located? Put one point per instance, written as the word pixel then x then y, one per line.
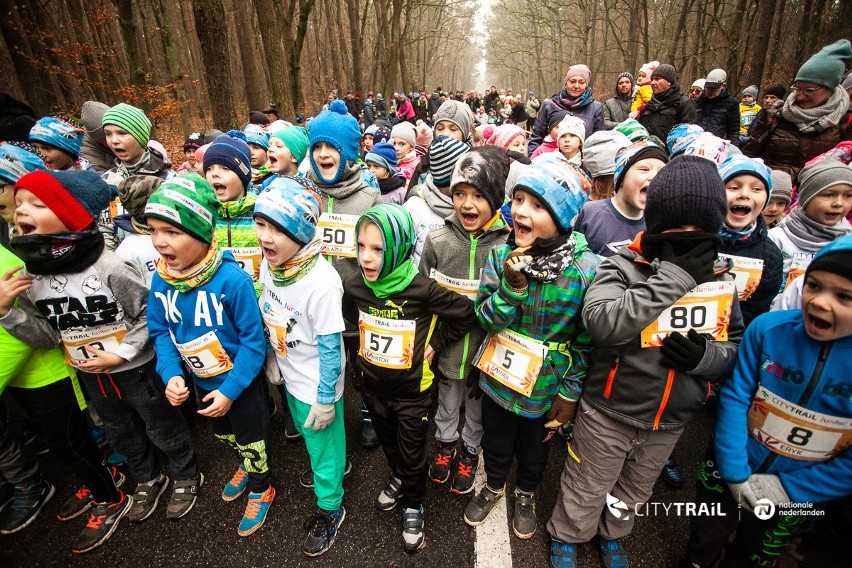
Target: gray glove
pixel 759 486
pixel 320 416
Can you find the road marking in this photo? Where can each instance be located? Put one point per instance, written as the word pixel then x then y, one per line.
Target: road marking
pixel 492 548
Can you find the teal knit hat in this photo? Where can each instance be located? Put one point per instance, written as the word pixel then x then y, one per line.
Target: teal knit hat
pixel 187 202
pixel 398 234
pixel 296 140
pixel 826 67
pixel 130 119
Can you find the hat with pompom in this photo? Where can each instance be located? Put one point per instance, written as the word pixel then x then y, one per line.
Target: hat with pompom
pixel 337 127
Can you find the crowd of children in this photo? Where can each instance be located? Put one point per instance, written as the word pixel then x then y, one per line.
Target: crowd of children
pixel 610 284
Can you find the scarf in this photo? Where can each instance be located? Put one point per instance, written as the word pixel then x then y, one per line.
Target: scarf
pixel 573 104
pixel 350 182
pixel 664 99
pixel 728 233
pixel 259 174
pixel 818 119
pixel 438 202
pixel 391 183
pixel 194 276
pixel 548 257
pixel 681 241
pixel 394 282
pixel 298 266
pixel 809 235
pixel 59 253
pixel 233 209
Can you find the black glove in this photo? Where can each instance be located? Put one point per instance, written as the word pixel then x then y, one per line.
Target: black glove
pixel 683 353
pixel 697 261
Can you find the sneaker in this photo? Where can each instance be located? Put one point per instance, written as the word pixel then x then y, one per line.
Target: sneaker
pixel 441 466
pixel 290 431
pixel 237 485
pixel 477 510
pixel 413 529
pixel 146 497
pixel 256 509
pixel 563 554
pixel 612 553
pixel 184 495
pixel 523 519
pixel 390 495
pixel 28 499
pixel 322 529
pixel 369 439
pixel 103 520
pixel 6 491
pixel 306 479
pixel 116 459
pixel 672 474
pixel 82 499
pixel 465 470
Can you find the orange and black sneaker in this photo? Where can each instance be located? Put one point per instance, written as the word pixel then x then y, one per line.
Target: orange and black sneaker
pixel 103 520
pixel 82 499
pixel 441 466
pixel 256 509
pixel 465 471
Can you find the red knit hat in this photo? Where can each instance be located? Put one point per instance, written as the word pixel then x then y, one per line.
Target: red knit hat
pixel 75 197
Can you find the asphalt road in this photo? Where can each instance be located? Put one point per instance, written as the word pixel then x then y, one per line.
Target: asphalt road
pixel 367 538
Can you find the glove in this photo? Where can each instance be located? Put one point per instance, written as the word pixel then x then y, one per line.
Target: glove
pixel 743 494
pixel 320 416
pixel 683 353
pixel 698 262
pixel 475 392
pixel 271 370
pixel 563 410
pixel 512 267
pixel 759 486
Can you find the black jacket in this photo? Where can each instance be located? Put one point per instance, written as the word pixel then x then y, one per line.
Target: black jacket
pixel 719 115
pixel 665 111
pixel 435 103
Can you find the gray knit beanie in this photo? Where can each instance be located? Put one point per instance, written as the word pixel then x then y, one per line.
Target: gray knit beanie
pixel 782 186
pixel 600 149
pixel 818 177
pixel 688 191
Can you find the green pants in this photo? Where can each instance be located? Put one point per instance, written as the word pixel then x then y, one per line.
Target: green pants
pixel 327 450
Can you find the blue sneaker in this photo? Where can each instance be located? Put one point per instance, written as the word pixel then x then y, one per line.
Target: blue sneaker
pixel 672 474
pixel 256 509
pixel 563 554
pixel 322 529
pixel 237 485
pixel 612 554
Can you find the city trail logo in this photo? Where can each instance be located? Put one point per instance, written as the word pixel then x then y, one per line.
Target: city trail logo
pixel 617 507
pixel 620 510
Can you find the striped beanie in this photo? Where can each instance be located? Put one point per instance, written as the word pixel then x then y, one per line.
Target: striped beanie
pixel 627 157
pixel 187 202
pixel 633 130
pixel 17 159
pixel 398 234
pixel 443 155
pixel 61 132
pixel 131 120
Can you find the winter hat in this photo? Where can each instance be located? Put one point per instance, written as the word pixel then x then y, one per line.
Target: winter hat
pixel 623 74
pixel 779 91
pixel 578 70
pixel 257 117
pixel 626 158
pixel 633 130
pixel 443 155
pixel 682 136
pixel 337 127
pixel 384 155
pixel 688 191
pixel 398 234
pixel 486 168
pixel 290 207
pixel 161 150
pixel 826 67
pixel 504 135
pixel 212 135
pixel 554 119
pixel 835 257
pixel 715 78
pixel 93 119
pixel 740 164
pixel 276 125
pixel 231 152
pixel 572 125
pixel 131 120
pixel 456 112
pixel 700 83
pixel 17 159
pixel 424 136
pixel 188 202
pixel 383 134
pixel 600 149
pixel 667 72
pixel 782 186
pixel 296 140
pixel 60 132
pixel 75 197
pixel 562 203
pixel 194 141
pixel 256 135
pixel 406 131
pixel 820 176
pixel 134 193
pixel 750 91
pixel 649 68
pixel 709 146
pixel 199 153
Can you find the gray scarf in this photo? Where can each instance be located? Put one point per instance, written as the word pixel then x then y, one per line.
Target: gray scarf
pixel 441 204
pixel 809 120
pixel 809 235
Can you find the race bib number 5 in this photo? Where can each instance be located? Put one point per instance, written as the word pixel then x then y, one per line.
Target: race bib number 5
pixel 706 309
pixel 103 337
pixel 205 356
pixel 385 342
pixel 512 359
pixel 337 233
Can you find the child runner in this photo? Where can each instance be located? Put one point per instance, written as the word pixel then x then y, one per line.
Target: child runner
pixel 59 139
pixel 779 199
pixel 381 160
pixel 404 137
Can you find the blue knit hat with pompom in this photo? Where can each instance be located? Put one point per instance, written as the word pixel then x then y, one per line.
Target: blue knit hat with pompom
pixel 337 127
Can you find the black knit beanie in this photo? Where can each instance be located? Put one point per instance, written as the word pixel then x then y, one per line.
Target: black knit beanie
pixel 688 191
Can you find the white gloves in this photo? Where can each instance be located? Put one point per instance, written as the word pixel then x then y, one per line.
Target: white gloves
pixel 759 486
pixel 320 416
pixel 272 371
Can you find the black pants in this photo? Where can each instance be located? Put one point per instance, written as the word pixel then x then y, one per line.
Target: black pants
pixel 401 427
pixel 506 436
pixel 64 429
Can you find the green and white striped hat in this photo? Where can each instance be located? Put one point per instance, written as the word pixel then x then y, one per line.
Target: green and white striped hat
pixel 131 119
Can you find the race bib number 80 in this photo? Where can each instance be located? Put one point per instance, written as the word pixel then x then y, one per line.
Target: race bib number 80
pixel 706 309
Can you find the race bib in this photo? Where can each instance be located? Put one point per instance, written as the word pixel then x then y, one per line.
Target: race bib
pixel 385 342
pixel 249 260
pixel 205 356
pixel 747 274
pixel 277 328
pixel 512 359
pixel 706 309
pixel 796 432
pixel 104 337
pixel 337 233
pixel 797 268
pixel 467 288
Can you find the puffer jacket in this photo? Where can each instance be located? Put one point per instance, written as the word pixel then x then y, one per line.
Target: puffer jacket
pixel 719 115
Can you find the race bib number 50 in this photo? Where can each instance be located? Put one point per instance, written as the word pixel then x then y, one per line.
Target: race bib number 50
pixel 706 309
pixel 337 233
pixel 385 342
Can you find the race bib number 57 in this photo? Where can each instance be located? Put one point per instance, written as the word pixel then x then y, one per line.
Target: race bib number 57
pixel 706 309
pixel 385 342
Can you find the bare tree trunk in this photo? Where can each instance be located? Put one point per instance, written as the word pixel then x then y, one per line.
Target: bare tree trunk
pixel 760 41
pixel 272 33
pixel 127 26
pixel 353 10
pixel 211 25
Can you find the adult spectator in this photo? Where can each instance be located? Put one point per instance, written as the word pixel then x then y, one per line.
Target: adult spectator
pixel 668 107
pixel 532 107
pixel 404 109
pixel 518 115
pixel 352 105
pixel 617 108
pixel 716 111
pixel 492 100
pixel 807 123
pixel 473 101
pixel 271 113
pixel 421 106
pixel 258 118
pixel 697 88
pixel 435 100
pixel 576 99
pixel 94 148
pixel 369 114
pixel 381 106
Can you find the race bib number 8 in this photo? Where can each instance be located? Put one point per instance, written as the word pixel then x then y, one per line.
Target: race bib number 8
pixel 385 342
pixel 205 356
pixel 337 233
pixel 512 359
pixel 103 337
pixel 706 309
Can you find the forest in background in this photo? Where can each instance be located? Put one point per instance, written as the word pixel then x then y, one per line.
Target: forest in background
pixel 199 64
